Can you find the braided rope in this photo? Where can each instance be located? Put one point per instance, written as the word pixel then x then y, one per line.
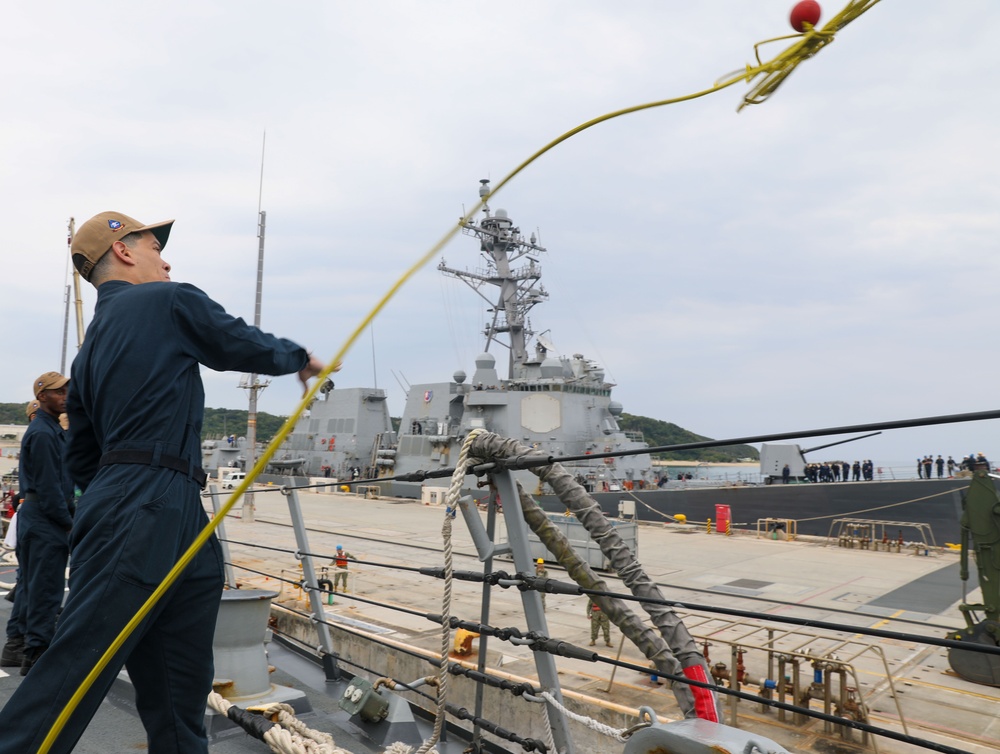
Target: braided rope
pixel 550 741
pixel 454 490
pixel 289 734
pixel 607 730
pixel 287 719
pixel 398 748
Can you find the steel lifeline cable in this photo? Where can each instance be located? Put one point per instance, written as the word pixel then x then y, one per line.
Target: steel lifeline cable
pixel 773 73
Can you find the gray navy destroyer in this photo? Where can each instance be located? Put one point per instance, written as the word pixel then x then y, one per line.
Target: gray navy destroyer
pixel 521 388
pixel 559 404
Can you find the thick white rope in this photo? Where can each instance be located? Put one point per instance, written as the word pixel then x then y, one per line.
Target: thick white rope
pixel 454 491
pixel 607 730
pixel 289 734
pixel 550 741
pixel 398 748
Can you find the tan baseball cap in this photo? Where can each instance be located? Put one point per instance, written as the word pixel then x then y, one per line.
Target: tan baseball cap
pixel 48 381
pixel 94 238
pixel 32 408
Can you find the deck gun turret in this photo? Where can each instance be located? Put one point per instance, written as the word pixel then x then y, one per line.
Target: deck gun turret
pixel 773 458
pixel 981 534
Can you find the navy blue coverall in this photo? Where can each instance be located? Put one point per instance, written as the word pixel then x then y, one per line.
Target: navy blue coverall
pixel 43 524
pixel 136 386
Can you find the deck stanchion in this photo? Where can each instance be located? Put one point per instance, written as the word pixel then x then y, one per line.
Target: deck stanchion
pixel 223 541
pixel 309 580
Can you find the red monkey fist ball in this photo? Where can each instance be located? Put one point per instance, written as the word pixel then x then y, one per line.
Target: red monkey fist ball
pixel 805 12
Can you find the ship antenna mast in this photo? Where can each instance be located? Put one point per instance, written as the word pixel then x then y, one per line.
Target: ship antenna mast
pixel 250 382
pixel 502 245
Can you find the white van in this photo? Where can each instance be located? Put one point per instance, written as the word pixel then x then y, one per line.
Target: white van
pixel 233 480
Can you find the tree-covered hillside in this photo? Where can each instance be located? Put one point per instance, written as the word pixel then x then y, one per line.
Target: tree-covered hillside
pixel 220 422
pixel 13 413
pixel 658 433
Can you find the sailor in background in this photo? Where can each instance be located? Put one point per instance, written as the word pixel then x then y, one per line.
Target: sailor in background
pixel 44 520
pixel 13 650
pixel 135 409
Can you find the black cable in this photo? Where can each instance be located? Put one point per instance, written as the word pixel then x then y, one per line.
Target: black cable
pixel 287 487
pixel 566 649
pixel 517 689
pixel 806 622
pixel 541 643
pixel 528 744
pixel 554 586
pixel 534 460
pixel 857 725
pixel 300 554
pixel 435 661
pixel 302 585
pixel 344 661
pixel 751 598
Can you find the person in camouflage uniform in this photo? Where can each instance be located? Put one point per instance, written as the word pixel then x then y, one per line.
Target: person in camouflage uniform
pixel 541 573
pixel 598 621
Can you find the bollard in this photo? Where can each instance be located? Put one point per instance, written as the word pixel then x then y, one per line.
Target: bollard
pixel 729 528
pixel 708 526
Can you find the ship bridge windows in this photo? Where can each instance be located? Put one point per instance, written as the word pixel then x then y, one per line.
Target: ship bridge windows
pixel 521 387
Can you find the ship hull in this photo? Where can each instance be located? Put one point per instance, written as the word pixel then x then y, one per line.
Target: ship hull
pixel 814 507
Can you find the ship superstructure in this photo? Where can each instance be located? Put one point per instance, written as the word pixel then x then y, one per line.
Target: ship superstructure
pixel 559 404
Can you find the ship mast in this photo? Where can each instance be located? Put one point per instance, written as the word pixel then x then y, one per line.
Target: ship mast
pixel 501 244
pixel 251 383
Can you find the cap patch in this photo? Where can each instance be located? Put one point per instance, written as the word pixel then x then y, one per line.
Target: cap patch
pixel 114 225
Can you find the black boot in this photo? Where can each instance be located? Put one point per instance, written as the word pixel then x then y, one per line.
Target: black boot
pixel 13 653
pixel 31 655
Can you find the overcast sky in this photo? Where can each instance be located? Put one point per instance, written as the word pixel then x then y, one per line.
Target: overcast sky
pixel 826 258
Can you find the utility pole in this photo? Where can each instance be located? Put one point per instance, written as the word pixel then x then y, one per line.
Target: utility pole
pixel 79 299
pixel 76 288
pixel 253 384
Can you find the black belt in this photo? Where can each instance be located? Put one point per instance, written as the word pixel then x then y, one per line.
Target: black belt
pixel 148 458
pixel 30 497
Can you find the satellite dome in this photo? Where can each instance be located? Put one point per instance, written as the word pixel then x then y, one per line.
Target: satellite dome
pixel 485 361
pixel 459 376
pixel 615 408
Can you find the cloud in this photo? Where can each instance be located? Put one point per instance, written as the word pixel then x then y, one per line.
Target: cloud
pixel 827 256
